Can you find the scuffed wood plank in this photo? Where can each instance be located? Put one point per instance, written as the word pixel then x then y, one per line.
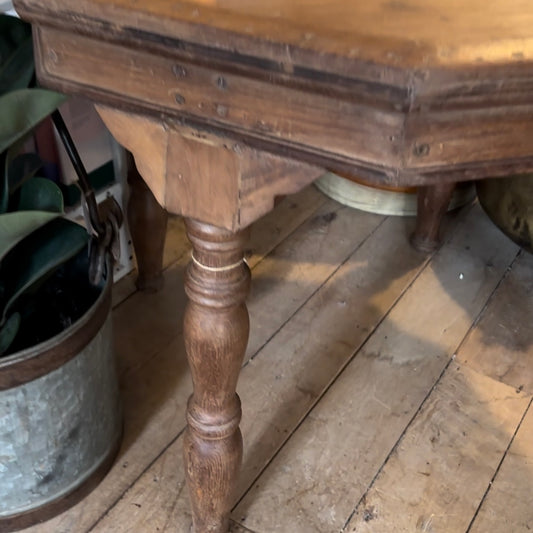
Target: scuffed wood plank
pixel 236 528
pixel 293 271
pixel 296 366
pixel 272 383
pixel 159 501
pixel 501 345
pixel 438 473
pixel 276 226
pixel 326 466
pixel 176 243
pixel 345 227
pixel 507 507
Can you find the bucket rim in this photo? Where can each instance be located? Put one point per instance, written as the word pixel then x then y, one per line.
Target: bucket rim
pixel 36 361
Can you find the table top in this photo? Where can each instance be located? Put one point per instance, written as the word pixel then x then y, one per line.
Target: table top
pixel 403 91
pixel 393 33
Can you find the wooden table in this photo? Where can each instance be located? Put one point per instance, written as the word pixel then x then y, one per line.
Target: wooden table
pixel 227 104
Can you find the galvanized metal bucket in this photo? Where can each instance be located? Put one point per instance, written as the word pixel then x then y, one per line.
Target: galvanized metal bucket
pixel 60 419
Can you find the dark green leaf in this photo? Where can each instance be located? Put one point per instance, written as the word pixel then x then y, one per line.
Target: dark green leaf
pixel 5 159
pixel 9 331
pixel 22 110
pixel 13 32
pixel 16 226
pixel 17 71
pixel 21 168
pixel 40 194
pixel 4 186
pixel 38 255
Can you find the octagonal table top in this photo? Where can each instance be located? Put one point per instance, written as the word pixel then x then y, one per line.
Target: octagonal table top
pixel 402 91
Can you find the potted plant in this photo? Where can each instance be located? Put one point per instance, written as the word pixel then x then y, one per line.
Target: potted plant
pixel 60 422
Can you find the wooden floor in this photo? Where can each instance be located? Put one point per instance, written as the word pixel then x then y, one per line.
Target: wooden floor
pixel 383 391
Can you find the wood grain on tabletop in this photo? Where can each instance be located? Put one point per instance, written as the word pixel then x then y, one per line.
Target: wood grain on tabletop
pixel 318 119
pixel 404 93
pixel 407 32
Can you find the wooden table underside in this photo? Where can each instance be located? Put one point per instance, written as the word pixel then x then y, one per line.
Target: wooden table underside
pixel 227 105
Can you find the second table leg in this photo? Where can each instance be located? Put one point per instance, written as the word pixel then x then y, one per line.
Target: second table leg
pixel 148 225
pixel 433 203
pixel 216 334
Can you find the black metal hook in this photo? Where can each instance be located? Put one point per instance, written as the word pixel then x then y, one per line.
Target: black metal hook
pixel 106 230
pixel 74 156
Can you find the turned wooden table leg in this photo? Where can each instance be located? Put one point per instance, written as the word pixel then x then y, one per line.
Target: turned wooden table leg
pixel 216 334
pixel 433 203
pixel 148 225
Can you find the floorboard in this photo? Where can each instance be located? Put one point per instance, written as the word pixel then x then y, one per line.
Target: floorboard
pixel 324 469
pixel 502 347
pixel 507 507
pixel 437 475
